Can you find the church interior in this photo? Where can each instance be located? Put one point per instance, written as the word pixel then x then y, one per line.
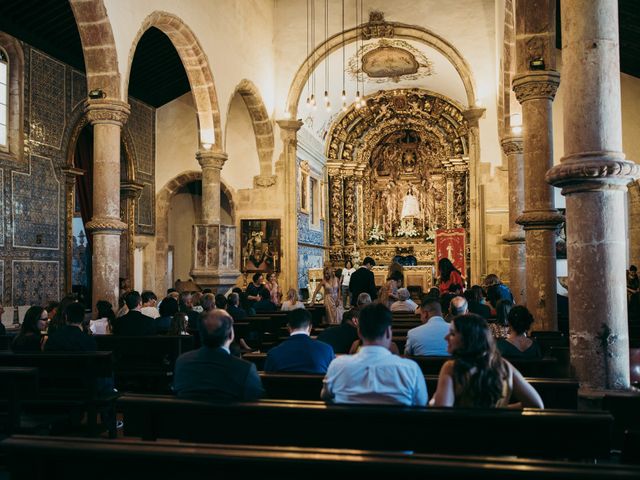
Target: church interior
pixel 256 148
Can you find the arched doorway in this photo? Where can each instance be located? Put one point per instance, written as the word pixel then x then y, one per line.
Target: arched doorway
pixel 185 211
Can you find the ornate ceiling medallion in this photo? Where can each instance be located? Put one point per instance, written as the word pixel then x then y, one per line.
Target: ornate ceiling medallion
pixel 386 60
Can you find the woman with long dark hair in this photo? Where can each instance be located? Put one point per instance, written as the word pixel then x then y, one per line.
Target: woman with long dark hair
pixel 30 339
pixel 449 275
pixel 517 344
pixel 478 376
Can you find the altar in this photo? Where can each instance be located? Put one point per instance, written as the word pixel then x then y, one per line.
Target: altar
pixel 416 276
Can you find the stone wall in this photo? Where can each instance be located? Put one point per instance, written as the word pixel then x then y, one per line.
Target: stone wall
pixel 33 200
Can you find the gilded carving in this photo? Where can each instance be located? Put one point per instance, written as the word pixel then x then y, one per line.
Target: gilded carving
pixel 336 210
pixel 536 85
pixel 377 26
pixel 350 217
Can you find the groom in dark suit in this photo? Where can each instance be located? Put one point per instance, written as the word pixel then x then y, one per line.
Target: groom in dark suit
pixel 362 281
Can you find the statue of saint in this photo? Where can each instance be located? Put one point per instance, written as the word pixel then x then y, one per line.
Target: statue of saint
pixel 410 205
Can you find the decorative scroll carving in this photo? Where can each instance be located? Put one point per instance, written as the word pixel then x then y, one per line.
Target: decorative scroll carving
pixel 336 210
pixel 593 172
pixel 264 181
pixel 377 26
pixel 350 210
pixel 107 111
pixel 536 85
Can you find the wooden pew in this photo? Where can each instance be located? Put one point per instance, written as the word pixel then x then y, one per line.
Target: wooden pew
pixel 5 342
pixel 625 408
pixel 540 433
pixel 16 385
pixel 72 383
pixel 144 364
pixel 539 368
pixel 555 393
pixel 45 458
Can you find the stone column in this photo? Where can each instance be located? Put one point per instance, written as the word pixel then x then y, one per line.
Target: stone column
pixel 288 132
pixel 535 85
pixel 593 176
pixel 512 148
pixel 130 192
pixel 107 117
pixel 211 163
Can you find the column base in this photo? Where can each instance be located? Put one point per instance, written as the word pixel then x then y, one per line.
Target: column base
pixel 221 281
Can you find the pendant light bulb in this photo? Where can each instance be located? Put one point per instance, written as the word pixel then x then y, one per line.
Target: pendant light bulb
pixel 358 96
pixel 344 96
pixel 328 106
pixel 313 100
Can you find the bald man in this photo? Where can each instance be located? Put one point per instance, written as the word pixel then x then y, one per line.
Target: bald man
pixel 211 372
pixel 458 306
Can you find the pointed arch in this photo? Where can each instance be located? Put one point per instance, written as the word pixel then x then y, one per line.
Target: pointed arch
pixel 262 126
pixel 198 71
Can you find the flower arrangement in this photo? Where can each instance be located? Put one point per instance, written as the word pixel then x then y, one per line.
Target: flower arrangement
pixel 407 229
pixel 375 235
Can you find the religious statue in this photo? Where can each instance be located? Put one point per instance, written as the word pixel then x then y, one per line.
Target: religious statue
pixel 410 206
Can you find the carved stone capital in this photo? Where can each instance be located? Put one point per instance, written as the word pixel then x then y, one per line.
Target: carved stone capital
pixel 472 115
pixel 131 189
pixel 211 159
pixel 540 219
pixel 107 111
pixel 264 181
pixel 512 145
pixel 289 129
pixel 105 225
pixel 534 85
pixel 593 171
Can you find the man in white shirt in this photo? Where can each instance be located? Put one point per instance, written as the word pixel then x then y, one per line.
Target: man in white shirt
pixel 374 375
pixel 428 339
pixel 404 302
pixel 149 301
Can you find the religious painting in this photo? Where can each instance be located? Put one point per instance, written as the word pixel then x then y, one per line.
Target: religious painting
pixel 450 243
pixel 260 245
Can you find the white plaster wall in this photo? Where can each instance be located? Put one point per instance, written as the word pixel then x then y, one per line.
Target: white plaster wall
pixel 184 211
pixel 236 37
pixel 240 144
pixel 176 139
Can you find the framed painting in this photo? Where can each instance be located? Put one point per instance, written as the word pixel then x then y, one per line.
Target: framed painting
pixel 260 245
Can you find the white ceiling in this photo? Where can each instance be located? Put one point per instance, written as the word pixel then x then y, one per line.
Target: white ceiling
pixel 443 80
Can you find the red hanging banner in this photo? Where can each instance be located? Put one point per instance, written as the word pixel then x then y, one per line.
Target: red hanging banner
pixel 450 244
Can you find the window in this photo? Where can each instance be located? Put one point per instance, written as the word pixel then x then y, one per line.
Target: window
pixel 4 98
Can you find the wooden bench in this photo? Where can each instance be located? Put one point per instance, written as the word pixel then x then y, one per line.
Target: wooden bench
pixel 539 433
pixel 44 458
pixel 555 393
pixel 71 383
pixel 625 408
pixel 16 385
pixel 144 364
pixel 539 368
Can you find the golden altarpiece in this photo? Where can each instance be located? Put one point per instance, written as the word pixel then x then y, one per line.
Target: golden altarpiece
pixel 398 171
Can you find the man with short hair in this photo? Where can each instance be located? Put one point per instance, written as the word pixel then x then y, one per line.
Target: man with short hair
pixel 374 375
pixel 233 307
pixel 134 323
pixel 299 353
pixel 362 281
pixel 404 302
pixel 342 336
pixel 458 306
pixel 149 301
pixel 428 339
pixel 71 337
pixel 211 372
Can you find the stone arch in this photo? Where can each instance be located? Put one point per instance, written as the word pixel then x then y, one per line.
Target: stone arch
pixel 15 129
pixel 198 71
pixel 262 127
pixel 163 202
pixel 98 46
pixel 400 30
